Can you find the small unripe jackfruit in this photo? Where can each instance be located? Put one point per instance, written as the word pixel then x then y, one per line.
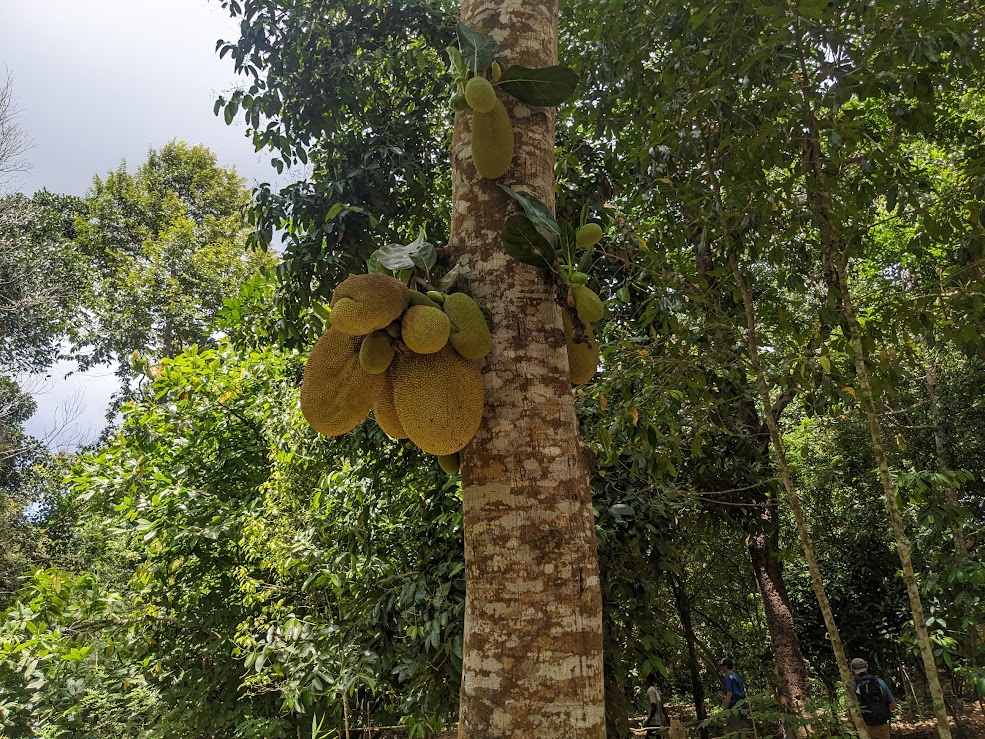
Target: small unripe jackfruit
pixel 588 235
pixel 439 399
pixel 458 102
pixel 480 95
pixel 376 353
pixel 587 303
pixel 362 304
pixel 394 329
pixel 425 330
pixel 419 298
pixel 497 72
pixel 469 333
pixel 385 412
pixel 492 142
pixel 336 393
pixel 577 278
pixel 583 352
pixel 450 463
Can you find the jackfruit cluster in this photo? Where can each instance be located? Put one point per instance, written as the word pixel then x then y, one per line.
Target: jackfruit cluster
pixel 411 358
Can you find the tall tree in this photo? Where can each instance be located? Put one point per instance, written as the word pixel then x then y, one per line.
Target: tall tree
pixel 168 245
pixel 533 613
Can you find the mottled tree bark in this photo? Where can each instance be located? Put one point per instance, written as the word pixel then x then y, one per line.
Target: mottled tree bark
pixel 532 663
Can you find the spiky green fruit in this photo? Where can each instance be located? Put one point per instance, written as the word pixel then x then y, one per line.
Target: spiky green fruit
pixel 583 352
pixel 492 142
pixel 588 235
pixel 587 303
pixel 439 399
pixel 469 333
pixel 480 95
pixel 450 463
pixel 362 304
pixel 458 102
pixel 418 298
pixel 376 353
pixel 425 330
pixel 336 393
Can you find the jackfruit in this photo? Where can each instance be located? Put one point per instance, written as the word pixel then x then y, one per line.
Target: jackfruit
pixel 362 304
pixel 587 303
pixel 583 355
pixel 376 353
pixel 450 463
pixel 385 412
pixel 439 399
pixel 497 72
pixel 419 298
pixel 336 394
pixel 492 142
pixel 469 333
pixel 588 235
pixel 393 329
pixel 424 329
pixel 577 278
pixel 480 95
pixel 458 102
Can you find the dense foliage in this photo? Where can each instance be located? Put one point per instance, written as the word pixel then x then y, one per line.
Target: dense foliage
pixel 212 568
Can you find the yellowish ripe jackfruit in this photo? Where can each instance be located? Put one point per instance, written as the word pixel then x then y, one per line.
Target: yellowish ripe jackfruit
pixel 362 304
pixel 450 463
pixel 587 303
pixel 385 412
pixel 336 394
pixel 439 399
pixel 583 352
pixel 469 333
pixel 480 95
pixel 376 353
pixel 492 141
pixel 424 329
pixel 588 235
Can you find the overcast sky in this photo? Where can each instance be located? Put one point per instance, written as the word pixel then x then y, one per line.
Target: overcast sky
pixel 97 81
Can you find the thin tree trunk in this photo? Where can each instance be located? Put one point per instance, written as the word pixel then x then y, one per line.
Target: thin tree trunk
pixel 683 602
pixel 892 505
pixel 943 460
pixel 532 663
pixel 847 681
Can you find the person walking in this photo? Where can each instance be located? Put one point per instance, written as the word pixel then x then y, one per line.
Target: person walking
pixel 735 691
pixel 655 719
pixel 874 698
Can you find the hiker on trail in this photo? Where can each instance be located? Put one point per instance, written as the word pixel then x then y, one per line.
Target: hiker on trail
pixel 874 698
pixel 735 691
pixel 653 696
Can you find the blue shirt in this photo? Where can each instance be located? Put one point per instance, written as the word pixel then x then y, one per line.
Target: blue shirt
pixel 733 684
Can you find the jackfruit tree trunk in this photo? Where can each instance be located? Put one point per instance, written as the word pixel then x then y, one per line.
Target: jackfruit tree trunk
pixel 532 663
pixel 892 505
pixel 752 343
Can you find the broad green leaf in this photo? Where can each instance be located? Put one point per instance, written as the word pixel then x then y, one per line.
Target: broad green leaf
pixel 536 211
pixel 525 243
pixel 477 49
pixel 407 256
pixel 545 87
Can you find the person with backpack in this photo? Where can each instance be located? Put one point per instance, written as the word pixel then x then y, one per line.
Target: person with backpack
pixel 735 691
pixel 874 698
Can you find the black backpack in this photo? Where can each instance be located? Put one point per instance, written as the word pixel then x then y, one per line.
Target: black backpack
pixel 873 701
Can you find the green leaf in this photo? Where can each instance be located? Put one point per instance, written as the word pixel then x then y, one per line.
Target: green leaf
pixel 477 49
pixel 525 243
pixel 447 282
pixel 406 256
pixel 536 211
pixel 545 87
